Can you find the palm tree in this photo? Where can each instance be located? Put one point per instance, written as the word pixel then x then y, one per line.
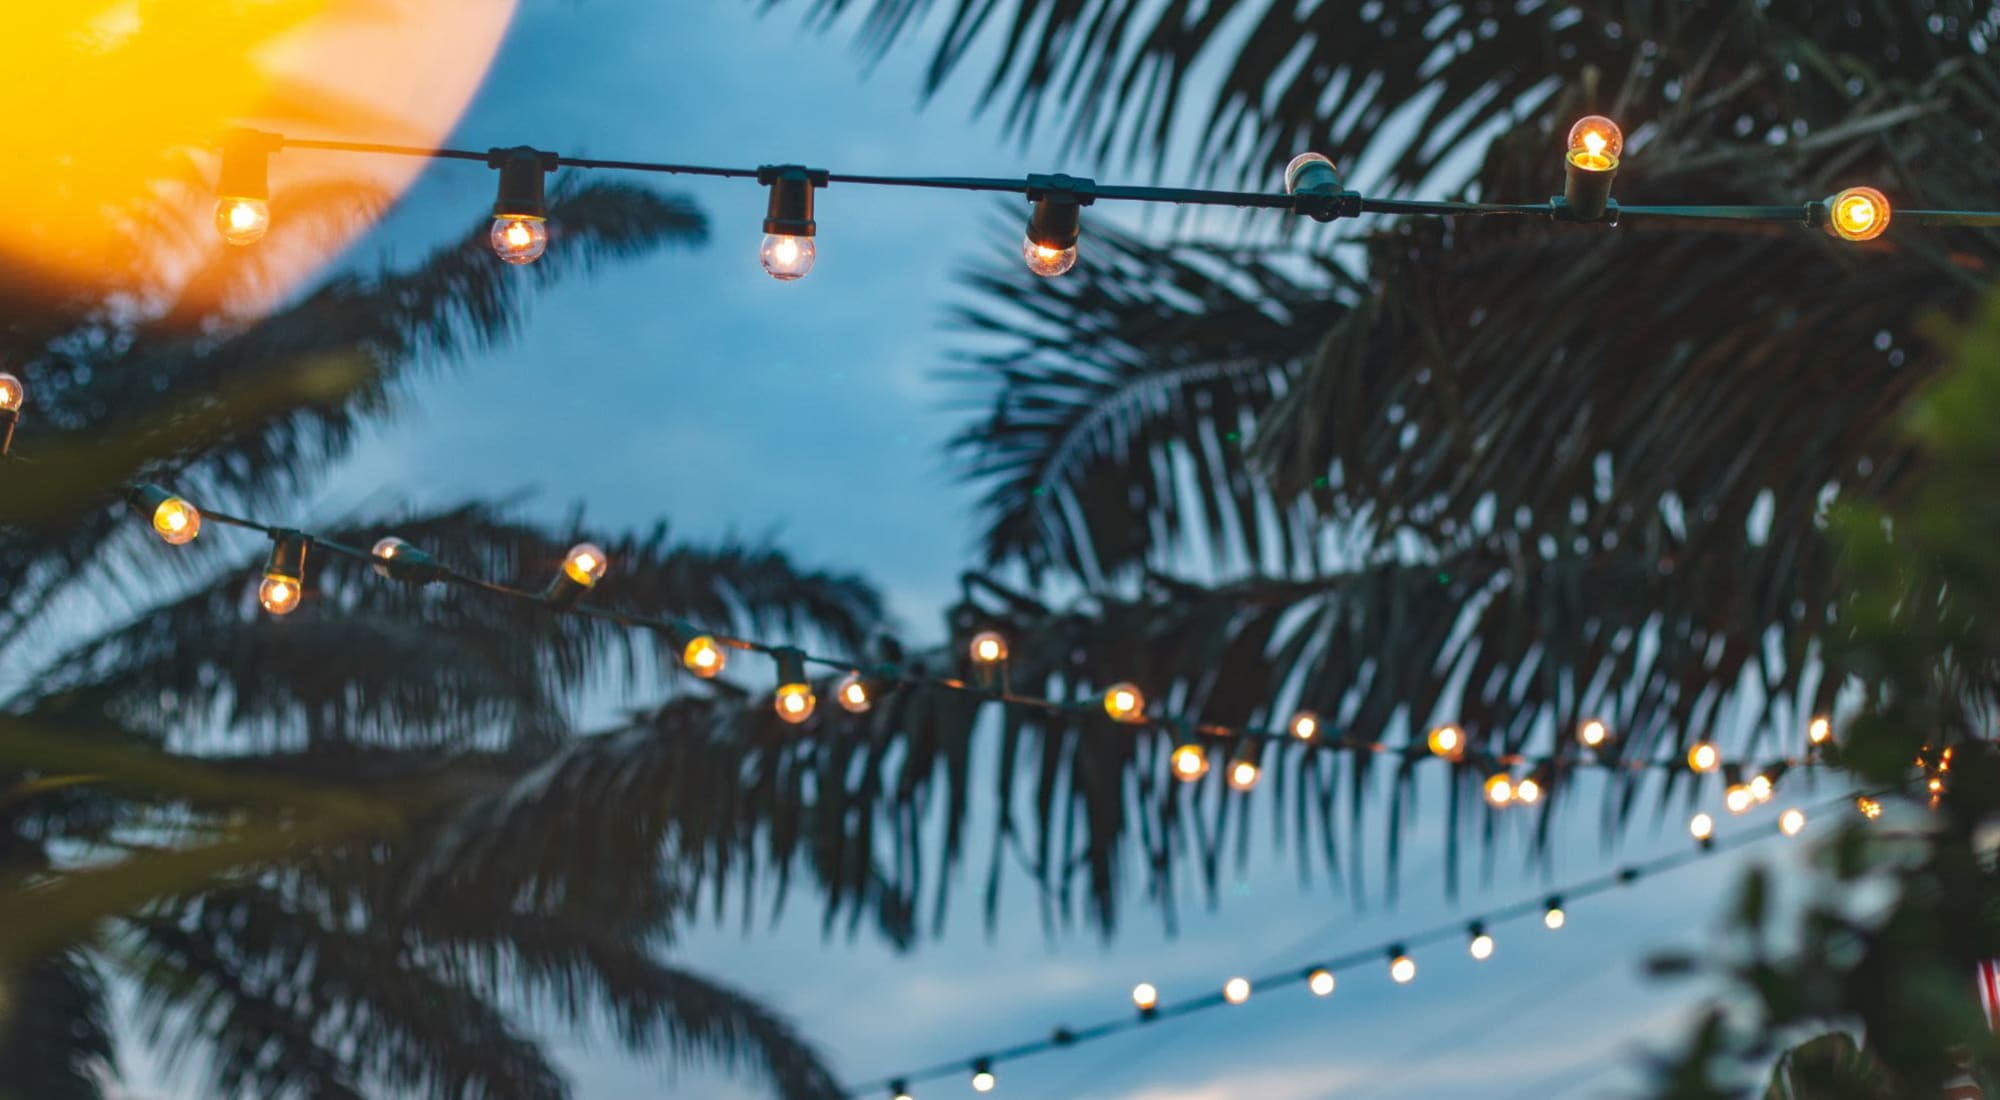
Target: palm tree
pixel 256 823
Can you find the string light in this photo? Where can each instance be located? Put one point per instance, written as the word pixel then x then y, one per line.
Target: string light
pixel 704 657
pixel 1236 990
pixel 1528 791
pixel 1738 798
pixel 1145 996
pixel 1499 789
pixel 1304 725
pixel 988 647
pixel 899 1091
pixel 173 519
pixel 284 575
pixel 243 187
pixel 1125 703
pixel 1402 968
pixel 982 1076
pixel 1190 762
pixel 1593 734
pixel 788 251
pixel 1870 808
pixel 1858 214
pixel 1448 742
pixel 1704 757
pixel 1761 788
pixel 1321 981
pixel 853 694
pixel 1595 143
pixel 398 560
pixel 1243 770
pixel 1819 731
pixel 12 395
pixel 520 232
pixel 1480 945
pixel 1313 179
pixel 582 567
pixel 794 700
pixel 1553 916
pixel 1053 228
pixel 1792 822
pixel 1701 827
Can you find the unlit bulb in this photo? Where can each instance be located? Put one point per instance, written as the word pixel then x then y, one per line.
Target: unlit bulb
pixel 1046 261
pixel 787 257
pixel 177 521
pixel 704 657
pixel 279 594
pixel 519 238
pixel 242 220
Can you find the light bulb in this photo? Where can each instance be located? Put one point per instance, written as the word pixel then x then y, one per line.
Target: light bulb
pixel 1703 757
pixel 786 256
pixel 1321 982
pixel 386 550
pixel 1125 703
pixel 1593 734
pixel 704 657
pixel 1305 725
pixel 983 1081
pixel 1761 788
pixel 1738 798
pixel 12 393
pixel 241 220
pixel 279 594
pixel 1448 742
pixel 1324 172
pixel 1701 827
pixel 1553 916
pixel 899 1091
pixel 1402 968
pixel 1480 946
pixel 1190 763
pixel 1858 214
pixel 1792 822
pixel 519 238
pixel 1869 807
pixel 1528 791
pixel 1243 775
pixel 1236 990
pixel 853 694
pixel 1145 996
pixel 177 521
pixel 794 702
pixel 1046 261
pixel 1499 790
pixel 1595 144
pixel 1819 731
pixel 585 564
pixel 989 647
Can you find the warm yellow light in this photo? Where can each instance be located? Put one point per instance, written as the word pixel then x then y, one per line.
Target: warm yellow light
pixel 585 564
pixel 1305 725
pixel 242 221
pixel 1870 808
pixel 1046 261
pixel 1236 990
pixel 794 702
pixel 1593 734
pixel 1859 214
pixel 1792 822
pixel 1189 763
pixel 1738 798
pixel 704 657
pixel 519 238
pixel 1124 703
pixel 1403 969
pixel 853 694
pixel 1145 996
pixel 1761 788
pixel 1701 826
pixel 1819 731
pixel 1499 789
pixel 1448 742
pixel 1481 947
pixel 1321 982
pixel 1595 144
pixel 1936 784
pixel 1704 757
pixel 1528 791
pixel 989 647
pixel 12 393
pixel 1243 775
pixel 1554 917
pixel 787 257
pixel 983 1081
pixel 279 594
pixel 177 521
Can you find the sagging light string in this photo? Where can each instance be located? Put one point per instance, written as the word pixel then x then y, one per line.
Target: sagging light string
pixel 1514 778
pixel 1319 975
pixel 1312 188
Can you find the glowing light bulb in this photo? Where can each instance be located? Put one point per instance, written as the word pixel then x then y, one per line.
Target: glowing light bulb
pixel 1870 808
pixel 982 1078
pixel 12 393
pixel 1189 762
pixel 1125 703
pixel 1858 214
pixel 1595 144
pixel 900 1091
pixel 242 221
pixel 1448 742
pixel 519 238
pixel 1819 731
pixel 1305 725
pixel 177 521
pixel 1792 822
pixel 1243 775
pixel 1738 798
pixel 1761 788
pixel 1321 982
pixel 787 257
pixel 1593 734
pixel 853 694
pixel 1936 785
pixel 1046 261
pixel 387 550
pixel 794 702
pixel 279 594
pixel 1402 969
pixel 704 657
pixel 1145 996
pixel 1499 790
pixel 585 564
pixel 1480 947
pixel 1236 990
pixel 1528 791
pixel 1553 916
pixel 989 647
pixel 1703 757
pixel 1701 827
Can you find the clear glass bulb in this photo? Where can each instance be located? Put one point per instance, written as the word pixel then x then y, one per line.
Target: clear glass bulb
pixel 1298 165
pixel 519 238
pixel 1596 143
pixel 177 521
pixel 387 549
pixel 704 657
pixel 787 257
pixel 1859 214
pixel 1125 703
pixel 12 392
pixel 989 647
pixel 853 694
pixel 794 702
pixel 242 220
pixel 1046 261
pixel 585 564
pixel 279 594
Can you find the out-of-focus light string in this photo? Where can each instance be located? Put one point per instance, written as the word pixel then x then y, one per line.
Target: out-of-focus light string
pixel 1318 974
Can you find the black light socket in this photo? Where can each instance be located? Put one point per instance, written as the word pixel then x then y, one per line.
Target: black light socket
pixel 246 164
pixel 1056 222
pixel 288 555
pixel 8 418
pixel 790 211
pixel 1586 194
pixel 523 185
pixel 791 665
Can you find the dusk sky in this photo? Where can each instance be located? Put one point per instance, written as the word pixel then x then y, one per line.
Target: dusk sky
pixel 692 388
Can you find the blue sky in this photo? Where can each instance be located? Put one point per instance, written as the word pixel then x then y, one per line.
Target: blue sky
pixel 691 387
